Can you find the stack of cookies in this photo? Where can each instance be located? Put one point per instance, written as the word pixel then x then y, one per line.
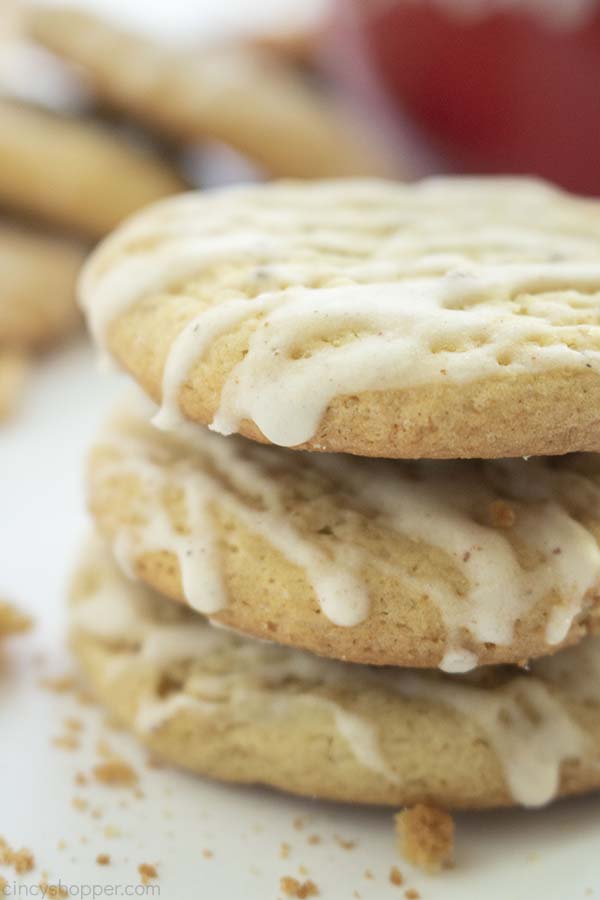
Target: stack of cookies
pixel 349 541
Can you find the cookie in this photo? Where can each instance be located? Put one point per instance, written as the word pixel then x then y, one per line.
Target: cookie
pixel 72 173
pixel 239 96
pixel 387 563
pixel 242 710
pixel 37 288
pixel 14 371
pixel 451 318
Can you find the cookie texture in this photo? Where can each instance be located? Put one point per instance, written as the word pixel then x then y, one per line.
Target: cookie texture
pixel 37 288
pixel 74 174
pixel 237 95
pixel 387 563
pixel 451 318
pixel 246 711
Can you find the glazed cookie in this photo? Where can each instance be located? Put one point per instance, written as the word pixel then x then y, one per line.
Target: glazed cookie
pixel 451 318
pixel 240 96
pixel 241 710
pixel 37 288
pixel 74 174
pixel 388 563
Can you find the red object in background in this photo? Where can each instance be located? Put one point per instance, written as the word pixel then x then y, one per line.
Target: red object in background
pixel 506 92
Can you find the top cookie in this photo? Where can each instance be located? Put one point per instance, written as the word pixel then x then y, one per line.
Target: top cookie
pixel 451 318
pixel 75 174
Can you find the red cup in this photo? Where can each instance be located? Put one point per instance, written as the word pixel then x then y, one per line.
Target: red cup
pixel 504 90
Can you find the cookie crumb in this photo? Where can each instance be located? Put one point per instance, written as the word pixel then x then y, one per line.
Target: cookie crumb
pixel 22 860
pixel 12 620
pixel 291 887
pixel 501 514
pixel 298 823
pixel 344 844
pixel 284 850
pixel 313 839
pixel 53 890
pixel 103 859
pixel 426 836
pixel 411 894
pixel 396 876
pixel 60 684
pixel 368 875
pixel 147 872
pixel 111 831
pixel 114 772
pixel 66 742
pixel 207 854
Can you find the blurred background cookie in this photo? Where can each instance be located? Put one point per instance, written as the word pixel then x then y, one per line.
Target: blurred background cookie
pixel 38 274
pixel 74 174
pixel 237 94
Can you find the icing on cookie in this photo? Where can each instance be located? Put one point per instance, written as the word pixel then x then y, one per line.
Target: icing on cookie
pixel 433 504
pixel 524 721
pixel 350 287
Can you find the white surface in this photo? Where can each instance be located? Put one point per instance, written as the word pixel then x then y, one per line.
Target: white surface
pixel 551 854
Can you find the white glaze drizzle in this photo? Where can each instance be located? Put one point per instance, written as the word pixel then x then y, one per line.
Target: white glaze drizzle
pixel 429 503
pixel 527 726
pixel 431 280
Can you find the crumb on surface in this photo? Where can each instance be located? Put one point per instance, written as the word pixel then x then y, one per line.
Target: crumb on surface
pixel 53 890
pixel 313 839
pixel 284 850
pixel 291 887
pixel 207 854
pixel 412 894
pixel 426 836
pixel 12 620
pixel 59 684
pixel 111 831
pixel 396 876
pixel 80 804
pixel 66 742
pixel 298 823
pixel 21 861
pixel 114 772
pixel 502 514
pixel 73 723
pixel 368 875
pixel 343 843
pixel 147 872
pixel 103 859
